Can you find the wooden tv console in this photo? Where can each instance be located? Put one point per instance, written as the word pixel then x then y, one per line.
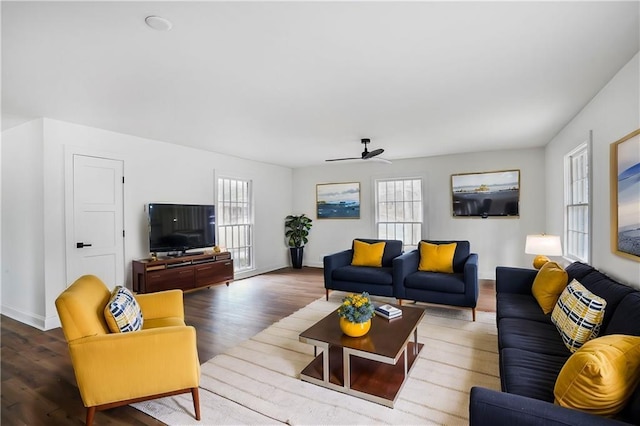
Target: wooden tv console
pixel 184 272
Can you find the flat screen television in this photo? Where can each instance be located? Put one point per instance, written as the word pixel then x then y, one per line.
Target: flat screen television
pixel 181 227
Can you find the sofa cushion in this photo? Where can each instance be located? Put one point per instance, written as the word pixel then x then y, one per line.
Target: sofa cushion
pixel 610 290
pixel 601 376
pixel 578 270
pixel 513 305
pixel 529 373
pixel 550 280
pixel 392 249
pixel 626 318
pixel 578 315
pixel 365 254
pixel 463 249
pixel 364 274
pixel 531 336
pixel 435 281
pixel 122 312
pixel 436 257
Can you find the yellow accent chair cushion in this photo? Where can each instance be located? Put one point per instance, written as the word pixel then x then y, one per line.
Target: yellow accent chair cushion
pixel 114 369
pixel 365 254
pixel 548 284
pixel 436 257
pixel 601 376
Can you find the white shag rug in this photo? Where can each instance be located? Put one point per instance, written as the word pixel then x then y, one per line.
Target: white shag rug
pixel 257 382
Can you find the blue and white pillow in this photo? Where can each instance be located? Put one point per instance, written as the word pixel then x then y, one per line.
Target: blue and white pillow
pixel 122 313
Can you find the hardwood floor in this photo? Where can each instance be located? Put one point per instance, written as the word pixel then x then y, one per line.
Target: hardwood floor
pixel 38 384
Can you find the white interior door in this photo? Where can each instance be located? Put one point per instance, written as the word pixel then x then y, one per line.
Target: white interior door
pixel 96 243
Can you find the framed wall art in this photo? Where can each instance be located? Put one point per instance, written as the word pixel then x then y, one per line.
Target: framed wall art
pixel 338 200
pixel 486 194
pixel 625 196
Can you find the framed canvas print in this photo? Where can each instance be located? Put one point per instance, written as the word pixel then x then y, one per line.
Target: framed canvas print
pixel 338 200
pixel 625 196
pixel 486 194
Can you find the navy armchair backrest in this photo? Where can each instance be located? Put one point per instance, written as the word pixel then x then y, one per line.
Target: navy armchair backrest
pixel 392 249
pixel 463 250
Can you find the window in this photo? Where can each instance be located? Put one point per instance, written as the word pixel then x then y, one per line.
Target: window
pixel 235 221
pixel 399 211
pixel 577 222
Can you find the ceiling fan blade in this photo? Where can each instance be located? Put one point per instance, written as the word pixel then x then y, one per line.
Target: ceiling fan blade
pixel 342 159
pixel 381 160
pixel 372 153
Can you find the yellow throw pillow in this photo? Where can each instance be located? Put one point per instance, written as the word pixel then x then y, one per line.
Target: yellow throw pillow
pixel 436 257
pixel 365 254
pixel 601 376
pixel 549 283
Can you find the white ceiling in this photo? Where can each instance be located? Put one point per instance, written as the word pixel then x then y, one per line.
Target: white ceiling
pixel 295 83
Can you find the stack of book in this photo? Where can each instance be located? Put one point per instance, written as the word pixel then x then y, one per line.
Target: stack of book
pixel 388 311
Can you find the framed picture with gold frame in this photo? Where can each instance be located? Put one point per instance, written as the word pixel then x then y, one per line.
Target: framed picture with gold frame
pixel 338 200
pixel 625 196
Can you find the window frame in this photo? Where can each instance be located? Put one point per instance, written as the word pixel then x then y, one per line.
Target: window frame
pixel 377 204
pixel 569 203
pixel 221 226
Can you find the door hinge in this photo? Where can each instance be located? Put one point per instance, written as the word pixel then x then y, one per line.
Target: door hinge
pixel 122 179
pixel 123 233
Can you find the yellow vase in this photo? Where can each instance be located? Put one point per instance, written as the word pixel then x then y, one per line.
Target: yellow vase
pixel 354 329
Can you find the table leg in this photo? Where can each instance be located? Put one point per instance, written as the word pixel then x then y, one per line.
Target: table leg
pixel 325 364
pixel 346 368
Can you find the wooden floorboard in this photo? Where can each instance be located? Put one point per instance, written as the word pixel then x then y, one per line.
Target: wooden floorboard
pixel 38 384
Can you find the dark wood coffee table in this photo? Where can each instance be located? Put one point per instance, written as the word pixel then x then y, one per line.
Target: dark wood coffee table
pixel 367 366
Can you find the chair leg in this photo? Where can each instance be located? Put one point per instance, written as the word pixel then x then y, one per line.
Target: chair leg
pixel 327 291
pixel 400 302
pixel 195 394
pixel 91 412
pixel 473 313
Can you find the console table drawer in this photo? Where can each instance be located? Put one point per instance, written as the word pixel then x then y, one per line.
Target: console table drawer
pixel 182 278
pixel 213 273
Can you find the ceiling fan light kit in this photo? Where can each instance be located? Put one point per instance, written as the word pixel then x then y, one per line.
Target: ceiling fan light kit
pixel 366 154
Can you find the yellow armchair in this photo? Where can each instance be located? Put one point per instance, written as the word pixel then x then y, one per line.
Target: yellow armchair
pixel 114 369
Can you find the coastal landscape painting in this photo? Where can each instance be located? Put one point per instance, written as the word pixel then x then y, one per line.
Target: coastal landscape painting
pixel 486 194
pixel 625 196
pixel 338 200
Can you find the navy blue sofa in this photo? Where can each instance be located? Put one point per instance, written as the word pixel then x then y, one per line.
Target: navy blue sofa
pixel 457 289
pixel 532 352
pixel 340 275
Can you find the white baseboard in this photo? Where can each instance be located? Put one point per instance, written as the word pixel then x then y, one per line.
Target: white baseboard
pixel 33 320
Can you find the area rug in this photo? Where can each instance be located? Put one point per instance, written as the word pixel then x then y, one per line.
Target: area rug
pixel 257 382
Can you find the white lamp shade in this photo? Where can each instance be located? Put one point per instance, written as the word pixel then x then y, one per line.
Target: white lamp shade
pixel 548 245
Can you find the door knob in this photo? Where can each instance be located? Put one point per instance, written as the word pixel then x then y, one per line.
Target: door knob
pixel 81 245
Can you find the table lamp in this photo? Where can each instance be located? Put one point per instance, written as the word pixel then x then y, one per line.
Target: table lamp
pixel 543 245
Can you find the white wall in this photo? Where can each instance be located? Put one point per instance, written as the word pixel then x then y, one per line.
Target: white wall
pixel 154 172
pixel 498 241
pixel 22 223
pixel 613 113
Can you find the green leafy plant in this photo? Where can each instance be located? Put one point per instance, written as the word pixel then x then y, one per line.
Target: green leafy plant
pixel 297 230
pixel 356 308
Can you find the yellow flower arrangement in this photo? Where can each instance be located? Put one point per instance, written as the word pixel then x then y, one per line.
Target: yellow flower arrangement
pixel 356 308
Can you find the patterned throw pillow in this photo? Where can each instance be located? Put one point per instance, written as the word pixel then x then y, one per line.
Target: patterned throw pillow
pixel 122 312
pixel 578 315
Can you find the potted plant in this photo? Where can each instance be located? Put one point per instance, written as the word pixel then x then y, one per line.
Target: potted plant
pixel 296 232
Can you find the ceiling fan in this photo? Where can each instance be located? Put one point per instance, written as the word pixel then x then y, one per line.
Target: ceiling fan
pixel 366 155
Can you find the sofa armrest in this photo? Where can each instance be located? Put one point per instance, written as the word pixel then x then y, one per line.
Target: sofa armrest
pixel 514 280
pixel 404 265
pixel 334 261
pixel 471 278
pixel 163 304
pixel 489 407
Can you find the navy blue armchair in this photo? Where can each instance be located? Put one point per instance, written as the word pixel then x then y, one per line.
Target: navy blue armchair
pixel 457 289
pixel 339 274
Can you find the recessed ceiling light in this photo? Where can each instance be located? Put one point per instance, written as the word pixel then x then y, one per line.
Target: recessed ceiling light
pixel 158 23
